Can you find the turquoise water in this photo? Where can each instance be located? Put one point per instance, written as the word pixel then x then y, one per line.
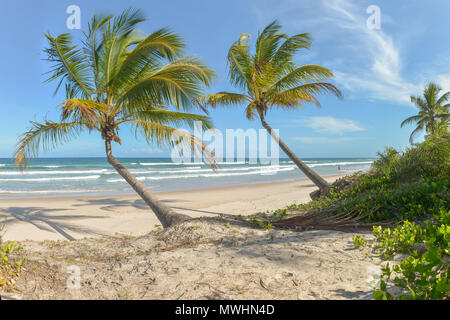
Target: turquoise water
pixel 94 176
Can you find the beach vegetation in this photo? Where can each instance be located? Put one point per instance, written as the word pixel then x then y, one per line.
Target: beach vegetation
pixel 269 78
pixel 424 273
pixel 405 198
pixel 10 263
pixel 409 185
pixel 359 241
pixel 119 77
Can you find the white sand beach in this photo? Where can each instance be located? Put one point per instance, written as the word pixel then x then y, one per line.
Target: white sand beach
pixel 69 218
pixel 209 257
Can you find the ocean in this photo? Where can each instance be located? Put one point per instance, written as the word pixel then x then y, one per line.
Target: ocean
pixel 53 177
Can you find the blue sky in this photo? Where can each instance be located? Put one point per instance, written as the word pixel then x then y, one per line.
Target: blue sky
pixel 377 70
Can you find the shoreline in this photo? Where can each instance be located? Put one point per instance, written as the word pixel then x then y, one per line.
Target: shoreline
pixel 130 193
pixel 75 217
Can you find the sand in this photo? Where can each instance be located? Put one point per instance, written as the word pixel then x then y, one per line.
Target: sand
pixel 210 257
pixel 69 218
pixel 205 258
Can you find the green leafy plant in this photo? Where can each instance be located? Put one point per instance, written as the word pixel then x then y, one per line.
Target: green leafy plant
pixel 262 224
pixel 359 242
pixel 424 273
pixel 10 265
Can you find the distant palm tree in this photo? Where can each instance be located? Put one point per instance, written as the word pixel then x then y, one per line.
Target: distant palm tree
pixel 271 79
pixel 122 77
pixel 433 112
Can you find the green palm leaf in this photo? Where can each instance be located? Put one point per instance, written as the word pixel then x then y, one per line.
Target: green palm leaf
pixel 432 112
pixel 69 65
pixel 223 98
pixel 47 135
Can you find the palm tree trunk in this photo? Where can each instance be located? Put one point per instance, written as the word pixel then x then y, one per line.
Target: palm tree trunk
pixel 166 215
pixel 313 176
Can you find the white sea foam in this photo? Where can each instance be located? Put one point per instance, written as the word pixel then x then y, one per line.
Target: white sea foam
pixel 187 163
pixel 169 163
pixel 206 170
pixel 339 163
pixel 49 191
pixel 51 179
pixel 51 172
pixel 206 175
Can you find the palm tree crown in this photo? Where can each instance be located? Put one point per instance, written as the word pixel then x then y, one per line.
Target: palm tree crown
pixel 119 77
pixel 433 111
pixel 269 78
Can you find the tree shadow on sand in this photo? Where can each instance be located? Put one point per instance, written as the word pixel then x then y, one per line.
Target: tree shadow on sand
pixel 40 218
pixel 359 295
pixel 111 204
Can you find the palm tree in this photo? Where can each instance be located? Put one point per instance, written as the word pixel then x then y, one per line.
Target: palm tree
pixel 118 78
pixel 433 112
pixel 271 79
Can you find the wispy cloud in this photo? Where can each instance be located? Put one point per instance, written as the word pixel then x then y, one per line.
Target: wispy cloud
pixel 382 78
pixel 332 125
pixel 324 139
pixel 367 63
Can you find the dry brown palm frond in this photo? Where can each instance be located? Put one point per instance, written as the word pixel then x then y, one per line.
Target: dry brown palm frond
pixel 329 220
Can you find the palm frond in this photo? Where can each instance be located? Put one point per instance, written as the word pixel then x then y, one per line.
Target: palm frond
pixel 303 93
pixel 147 55
pixel 223 98
pixel 168 117
pixel 410 120
pixel 92 45
pixel 443 99
pixel 419 102
pixel 268 40
pixel 303 74
pixel 290 47
pixel 69 65
pixel 415 132
pixel 171 137
pixel 250 111
pixel 117 36
pixel 177 83
pixel 84 111
pixel 45 135
pixel 239 65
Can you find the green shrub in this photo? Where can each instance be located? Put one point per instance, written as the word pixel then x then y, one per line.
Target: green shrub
pixel 402 189
pixel 9 267
pixel 429 159
pixel 424 273
pixel 359 242
pixel 409 185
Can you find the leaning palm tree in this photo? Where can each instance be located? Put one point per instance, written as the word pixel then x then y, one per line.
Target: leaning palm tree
pixel 121 77
pixel 271 79
pixel 433 111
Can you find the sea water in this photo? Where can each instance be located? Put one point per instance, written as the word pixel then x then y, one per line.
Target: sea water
pixel 48 177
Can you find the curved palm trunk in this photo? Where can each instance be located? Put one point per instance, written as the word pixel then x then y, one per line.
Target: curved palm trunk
pixel 313 176
pixel 166 215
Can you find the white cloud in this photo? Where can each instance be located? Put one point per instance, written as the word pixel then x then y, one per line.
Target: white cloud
pixel 444 81
pixel 324 139
pixel 370 63
pixel 332 125
pixel 382 79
